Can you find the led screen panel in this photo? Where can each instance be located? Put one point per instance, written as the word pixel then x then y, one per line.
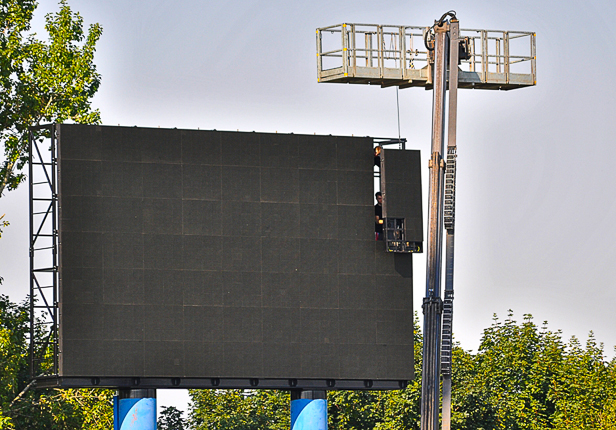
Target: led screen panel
pixel 218 255
pixel 402 182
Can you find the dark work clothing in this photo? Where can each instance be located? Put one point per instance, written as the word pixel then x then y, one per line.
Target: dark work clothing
pixel 378 228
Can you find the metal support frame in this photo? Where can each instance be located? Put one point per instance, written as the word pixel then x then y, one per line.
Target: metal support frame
pixel 44 241
pixel 432 304
pixel 449 221
pixel 382 142
pixel 438 322
pixel 394 229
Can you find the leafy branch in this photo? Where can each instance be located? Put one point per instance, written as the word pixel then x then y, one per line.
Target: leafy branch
pixel 51 81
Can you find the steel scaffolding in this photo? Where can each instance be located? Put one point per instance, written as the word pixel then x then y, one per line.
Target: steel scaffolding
pixel 44 240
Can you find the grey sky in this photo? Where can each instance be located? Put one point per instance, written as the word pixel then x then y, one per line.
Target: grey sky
pixel 535 207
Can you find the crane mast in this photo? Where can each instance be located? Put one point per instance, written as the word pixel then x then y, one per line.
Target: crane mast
pixel 447 48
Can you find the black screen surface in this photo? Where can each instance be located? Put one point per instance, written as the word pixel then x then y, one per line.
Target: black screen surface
pixel 402 180
pixel 206 254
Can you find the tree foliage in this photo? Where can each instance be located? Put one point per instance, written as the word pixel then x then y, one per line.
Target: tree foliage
pixel 524 377
pixel 240 409
pixel 3 223
pixel 171 419
pixel 35 408
pixel 50 81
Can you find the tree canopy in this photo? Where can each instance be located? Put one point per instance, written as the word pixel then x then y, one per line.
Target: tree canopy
pixel 170 418
pixel 526 377
pixel 51 81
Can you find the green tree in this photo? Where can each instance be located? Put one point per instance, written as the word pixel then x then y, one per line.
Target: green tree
pixel 50 81
pixel 509 381
pixel 354 409
pixel 584 390
pixel 24 407
pixel 524 377
pixel 171 419
pixel 240 409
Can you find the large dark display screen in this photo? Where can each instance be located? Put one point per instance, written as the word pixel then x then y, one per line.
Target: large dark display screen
pixel 204 258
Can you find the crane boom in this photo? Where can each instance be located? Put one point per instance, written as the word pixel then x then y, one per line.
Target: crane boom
pixel 388 55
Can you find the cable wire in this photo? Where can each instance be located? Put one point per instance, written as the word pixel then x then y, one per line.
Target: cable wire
pixel 451 14
pixel 398 109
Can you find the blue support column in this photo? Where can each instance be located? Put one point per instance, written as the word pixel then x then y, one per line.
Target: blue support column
pixel 134 409
pixel 308 410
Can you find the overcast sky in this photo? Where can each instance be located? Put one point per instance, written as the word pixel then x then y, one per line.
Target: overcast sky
pixel 535 228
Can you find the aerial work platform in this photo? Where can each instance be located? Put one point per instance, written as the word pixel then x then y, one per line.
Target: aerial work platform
pixel 389 55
